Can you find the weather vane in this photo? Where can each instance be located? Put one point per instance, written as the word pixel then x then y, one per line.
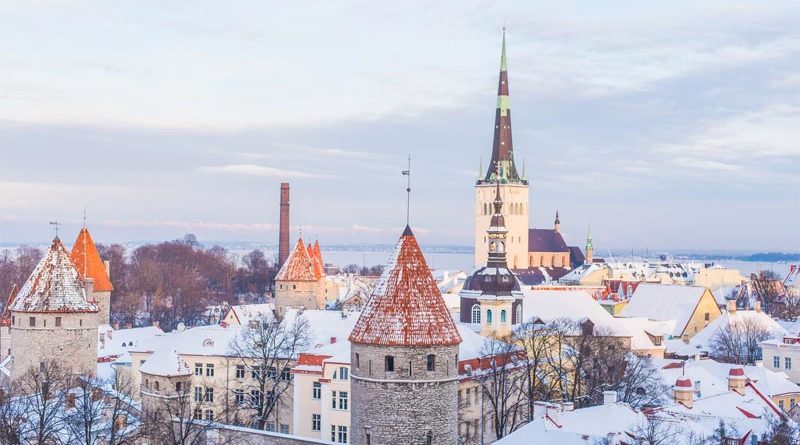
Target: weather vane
pixel 408 191
pixel 55 225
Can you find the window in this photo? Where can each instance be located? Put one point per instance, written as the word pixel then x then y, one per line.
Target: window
pixel 316 420
pixel 476 314
pixel 343 373
pixel 156 385
pixel 503 316
pixel 239 371
pixel 209 370
pixel 284 428
pixel 707 316
pixel 343 400
pixel 776 362
pixel 389 363
pixel 787 363
pixel 468 399
pixel 460 398
pixel 333 399
pixel 238 396
pixel 358 361
pixel 80 322
pixel 286 374
pixel 198 369
pixel 198 394
pixel 178 387
pixel 488 316
pixel 257 398
pixel 32 321
pixel 209 415
pixel 316 390
pixel 780 405
pixel 209 394
pixel 431 362
pixel 272 372
pixel 339 433
pixel 58 322
pixel 198 414
pixel 270 426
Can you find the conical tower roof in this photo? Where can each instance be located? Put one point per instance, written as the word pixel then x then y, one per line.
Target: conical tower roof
pixel 88 262
pixel 54 286
pixel 299 266
pixel 5 319
pixel 406 307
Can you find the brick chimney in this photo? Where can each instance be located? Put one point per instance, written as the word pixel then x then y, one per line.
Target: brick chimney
pixel 684 392
pixel 736 380
pixel 283 233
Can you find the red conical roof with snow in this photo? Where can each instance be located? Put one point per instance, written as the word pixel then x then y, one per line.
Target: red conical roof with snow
pixel 88 262
pixel 299 266
pixel 5 319
pixel 406 307
pixel 316 259
pixel 54 286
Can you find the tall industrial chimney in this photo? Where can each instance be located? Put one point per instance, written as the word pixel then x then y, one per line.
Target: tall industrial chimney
pixel 283 235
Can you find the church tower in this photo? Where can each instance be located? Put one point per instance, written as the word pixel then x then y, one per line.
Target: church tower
pixel 404 358
pixel 589 247
pixel 491 297
pixel 513 188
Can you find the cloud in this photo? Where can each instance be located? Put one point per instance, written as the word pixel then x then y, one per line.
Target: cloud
pixel 261 170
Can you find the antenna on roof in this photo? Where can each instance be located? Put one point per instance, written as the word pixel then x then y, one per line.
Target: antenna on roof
pixel 408 191
pixel 55 225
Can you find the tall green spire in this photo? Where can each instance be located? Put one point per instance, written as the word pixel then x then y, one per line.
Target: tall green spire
pixel 589 237
pixel 503 60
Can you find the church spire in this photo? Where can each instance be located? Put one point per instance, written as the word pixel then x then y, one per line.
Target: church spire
pixel 497 233
pixel 502 147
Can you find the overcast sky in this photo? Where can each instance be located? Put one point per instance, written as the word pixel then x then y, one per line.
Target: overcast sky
pixel 666 124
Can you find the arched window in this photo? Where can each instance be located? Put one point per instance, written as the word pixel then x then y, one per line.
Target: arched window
pixel 503 316
pixel 489 316
pixel 156 385
pixel 476 314
pixel 519 314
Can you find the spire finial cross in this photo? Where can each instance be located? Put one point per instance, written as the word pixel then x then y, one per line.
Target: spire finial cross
pixel 55 225
pixel 408 191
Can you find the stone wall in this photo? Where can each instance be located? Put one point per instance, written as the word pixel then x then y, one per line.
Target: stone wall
pixel 103 302
pixel 298 293
pixel 406 405
pixel 73 343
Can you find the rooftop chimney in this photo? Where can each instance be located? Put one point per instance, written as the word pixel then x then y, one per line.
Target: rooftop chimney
pixel 283 233
pixel 684 392
pixel 736 380
pixel 757 306
pixel 731 306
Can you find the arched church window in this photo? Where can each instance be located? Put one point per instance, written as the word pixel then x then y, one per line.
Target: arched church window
pixel 503 316
pixel 476 314
pixel 489 316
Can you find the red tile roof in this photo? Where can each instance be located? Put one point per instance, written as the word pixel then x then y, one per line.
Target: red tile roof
pixel 54 286
pixel 299 266
pixel 406 307
pixel 5 319
pixel 316 260
pixel 88 262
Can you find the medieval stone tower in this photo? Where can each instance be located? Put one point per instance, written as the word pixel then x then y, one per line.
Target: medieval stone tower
pixel 89 264
pixel 301 280
pixel 513 187
pixel 53 317
pixel 404 358
pixel 492 298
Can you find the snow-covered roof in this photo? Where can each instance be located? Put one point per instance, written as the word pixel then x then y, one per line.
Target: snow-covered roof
pixel 117 342
pixel 406 307
pixel 298 267
pixel 165 362
pixel 243 313
pixel 640 327
pixel 54 285
pixel 705 338
pixel 665 302
pixel 574 305
pixel 88 262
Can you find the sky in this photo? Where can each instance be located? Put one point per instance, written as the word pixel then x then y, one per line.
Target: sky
pixel 663 124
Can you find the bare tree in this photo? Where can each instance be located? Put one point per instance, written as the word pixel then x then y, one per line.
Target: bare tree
pixel 641 384
pixel 264 350
pixel 501 378
pixel 655 431
pixel 768 288
pixel 12 419
pixel 99 413
pixel 781 432
pixel 541 377
pixel 44 393
pixel 738 341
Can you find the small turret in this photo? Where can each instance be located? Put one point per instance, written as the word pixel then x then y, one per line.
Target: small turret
pixel 557 223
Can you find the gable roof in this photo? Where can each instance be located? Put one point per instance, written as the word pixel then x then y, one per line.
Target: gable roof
pixel 54 286
pixel 406 308
pixel 88 262
pixel 665 302
pixel 298 267
pixel 575 305
pixel 546 240
pixel 742 318
pixel 165 362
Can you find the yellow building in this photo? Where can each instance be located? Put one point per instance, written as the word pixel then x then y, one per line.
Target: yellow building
pixel 690 308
